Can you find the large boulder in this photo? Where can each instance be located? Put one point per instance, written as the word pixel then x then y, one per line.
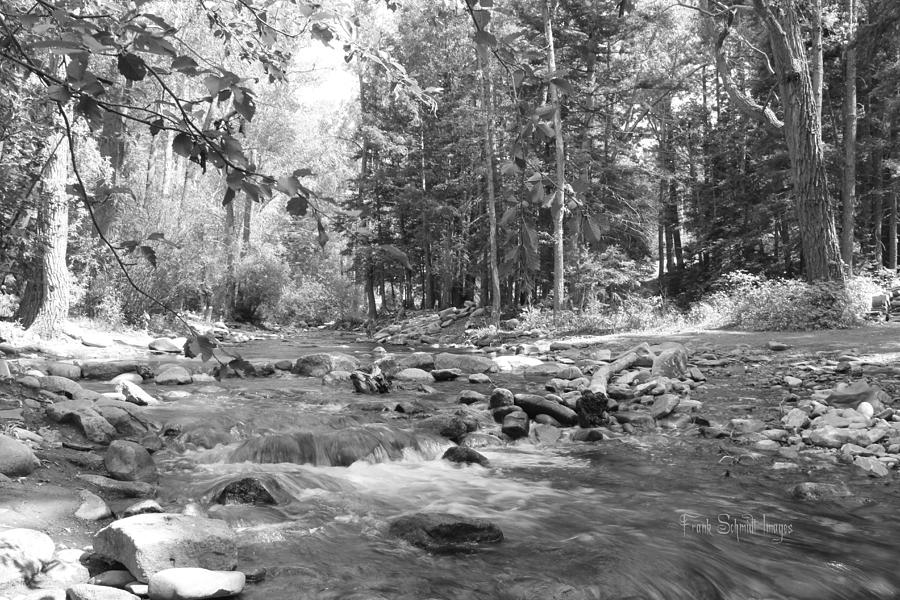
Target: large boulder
pixel 82 413
pixel 192 583
pixel 148 543
pixel 516 363
pixel 317 365
pixel 128 461
pixel 535 405
pixel 545 370
pixel 850 396
pixel 62 386
pixel 672 362
pixel 173 375
pixel 413 374
pixel 445 533
pixel 16 458
pixel 63 369
pixel 417 360
pixel 23 554
pixel 467 363
pixel 105 370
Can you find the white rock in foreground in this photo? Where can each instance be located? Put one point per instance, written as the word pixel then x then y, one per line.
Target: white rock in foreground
pixel 195 584
pixel 151 542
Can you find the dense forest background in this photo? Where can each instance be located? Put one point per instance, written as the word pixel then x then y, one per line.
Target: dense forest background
pixel 290 162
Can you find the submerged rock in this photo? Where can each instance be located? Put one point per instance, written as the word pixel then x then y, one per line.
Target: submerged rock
pixel 444 532
pixel 248 490
pixel 149 543
pixel 319 364
pixel 376 443
pixel 462 454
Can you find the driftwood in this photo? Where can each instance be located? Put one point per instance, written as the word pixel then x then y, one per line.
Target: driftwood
pixel 600 377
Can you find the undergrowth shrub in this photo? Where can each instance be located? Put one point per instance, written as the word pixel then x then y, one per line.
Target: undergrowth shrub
pixel 758 304
pixel 316 299
pixel 262 277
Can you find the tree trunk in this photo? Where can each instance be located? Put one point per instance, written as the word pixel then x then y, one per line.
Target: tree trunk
pixel 803 133
pixel 45 301
pixel 230 279
pixel 816 67
pixel 489 151
pixel 892 229
pixel 557 207
pixel 848 187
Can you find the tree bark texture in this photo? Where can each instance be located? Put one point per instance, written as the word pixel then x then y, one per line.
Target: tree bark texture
pixel 487 104
pixel 848 184
pixel 45 301
pixel 803 133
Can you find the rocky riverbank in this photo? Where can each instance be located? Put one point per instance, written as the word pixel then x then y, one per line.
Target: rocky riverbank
pixel 766 405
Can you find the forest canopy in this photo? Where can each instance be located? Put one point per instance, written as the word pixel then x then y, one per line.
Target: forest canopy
pixel 298 162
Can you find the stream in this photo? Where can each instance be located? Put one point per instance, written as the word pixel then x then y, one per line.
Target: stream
pixel 656 516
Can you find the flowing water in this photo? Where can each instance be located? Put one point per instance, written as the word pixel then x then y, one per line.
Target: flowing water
pixel 664 516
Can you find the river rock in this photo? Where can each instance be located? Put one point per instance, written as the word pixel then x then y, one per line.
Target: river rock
pixel 62 369
pixel 740 426
pixel 16 459
pixel 142 507
pixel 165 346
pixel 796 419
pixel 192 583
pixel 871 465
pixel 516 363
pixel 149 543
pixel 82 413
pixel 465 454
pixel 452 427
pixel 105 370
pixel 444 532
pixel 544 370
pixel 516 424
pixel 588 435
pixel 128 461
pixel 172 374
pixel 317 365
pixel 130 377
pixel 446 374
pixel 414 375
pixel 501 397
pixel 135 394
pixel 671 362
pixel 850 396
pixel 479 378
pixel 248 490
pixel 534 405
pixel 64 387
pixel 23 554
pixel 92 508
pixel 86 591
pixel 470 397
pixel 117 578
pixel 417 360
pixel 664 405
pixel 119 489
pixel 467 363
pixel 125 417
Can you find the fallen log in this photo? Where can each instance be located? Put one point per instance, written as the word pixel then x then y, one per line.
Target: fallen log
pixel 601 375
